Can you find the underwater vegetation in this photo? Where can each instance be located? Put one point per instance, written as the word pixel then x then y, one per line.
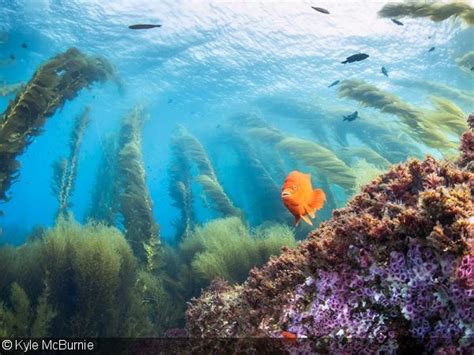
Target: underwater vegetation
pixel 423 124
pixel 466 62
pixel 435 12
pixel 134 199
pixel 75 280
pixel 65 170
pixel 393 270
pixel 104 205
pixel 6 89
pixel 196 154
pixel 58 80
pixel 226 249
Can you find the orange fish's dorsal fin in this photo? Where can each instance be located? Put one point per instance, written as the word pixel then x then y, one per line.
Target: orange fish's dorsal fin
pixel 317 200
pixel 306 219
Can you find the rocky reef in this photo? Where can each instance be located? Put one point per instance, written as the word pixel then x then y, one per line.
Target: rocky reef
pixel 391 270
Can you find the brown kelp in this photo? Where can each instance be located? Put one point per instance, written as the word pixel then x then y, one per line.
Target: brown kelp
pixel 180 186
pixel 417 121
pixel 392 271
pixel 366 153
pixel 227 249
pixel 310 153
pixel 65 170
pixel 258 182
pixel 220 201
pixel 466 62
pixel 135 203
pixel 462 96
pixel 104 204
pixel 80 281
pixel 435 12
pixel 196 153
pixel 6 90
pixel 58 80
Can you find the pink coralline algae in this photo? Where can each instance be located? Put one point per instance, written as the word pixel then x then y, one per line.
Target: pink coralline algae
pixel 393 271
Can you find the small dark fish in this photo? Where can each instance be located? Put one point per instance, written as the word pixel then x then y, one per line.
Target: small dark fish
pixel 472 68
pixel 170 101
pixel 356 58
pixel 351 117
pixel 321 10
pixel 334 83
pixel 399 23
pixel 142 27
pixel 218 126
pixel 24 45
pixel 12 56
pixel 384 71
pixel 432 49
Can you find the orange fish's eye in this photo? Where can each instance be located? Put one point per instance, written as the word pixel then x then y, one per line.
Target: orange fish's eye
pixel 294 187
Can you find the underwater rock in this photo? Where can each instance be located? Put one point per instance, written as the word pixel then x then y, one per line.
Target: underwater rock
pixel 393 270
pixel 55 82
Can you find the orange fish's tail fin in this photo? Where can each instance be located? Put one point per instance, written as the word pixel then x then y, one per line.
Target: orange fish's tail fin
pixel 318 199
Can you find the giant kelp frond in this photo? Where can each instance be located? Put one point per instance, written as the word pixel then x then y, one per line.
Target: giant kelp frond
pixel 320 158
pixel 416 120
pixel 364 152
pixel 180 185
pixel 464 96
pixel 215 192
pixel 262 188
pixel 6 89
pixel 266 134
pixel 466 62
pixel 134 197
pixel 435 12
pixel 58 80
pixel 195 151
pixel 65 171
pixel 103 206
pixel 372 96
pixel 448 116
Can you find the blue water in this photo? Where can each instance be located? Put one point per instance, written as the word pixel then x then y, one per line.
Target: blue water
pixel 212 59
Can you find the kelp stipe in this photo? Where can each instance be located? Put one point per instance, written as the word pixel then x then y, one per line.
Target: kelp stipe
pixel 135 203
pixel 65 170
pixel 58 80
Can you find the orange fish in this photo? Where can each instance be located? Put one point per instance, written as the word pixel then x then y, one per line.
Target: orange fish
pixel 288 335
pixel 299 197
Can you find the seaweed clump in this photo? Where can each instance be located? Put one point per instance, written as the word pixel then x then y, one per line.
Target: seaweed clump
pixel 391 271
pixel 58 80
pixel 79 281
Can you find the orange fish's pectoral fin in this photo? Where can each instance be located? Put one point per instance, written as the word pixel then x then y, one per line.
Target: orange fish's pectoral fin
pixel 306 219
pixel 317 200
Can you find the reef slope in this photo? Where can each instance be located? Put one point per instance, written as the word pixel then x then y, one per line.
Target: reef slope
pixel 395 264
